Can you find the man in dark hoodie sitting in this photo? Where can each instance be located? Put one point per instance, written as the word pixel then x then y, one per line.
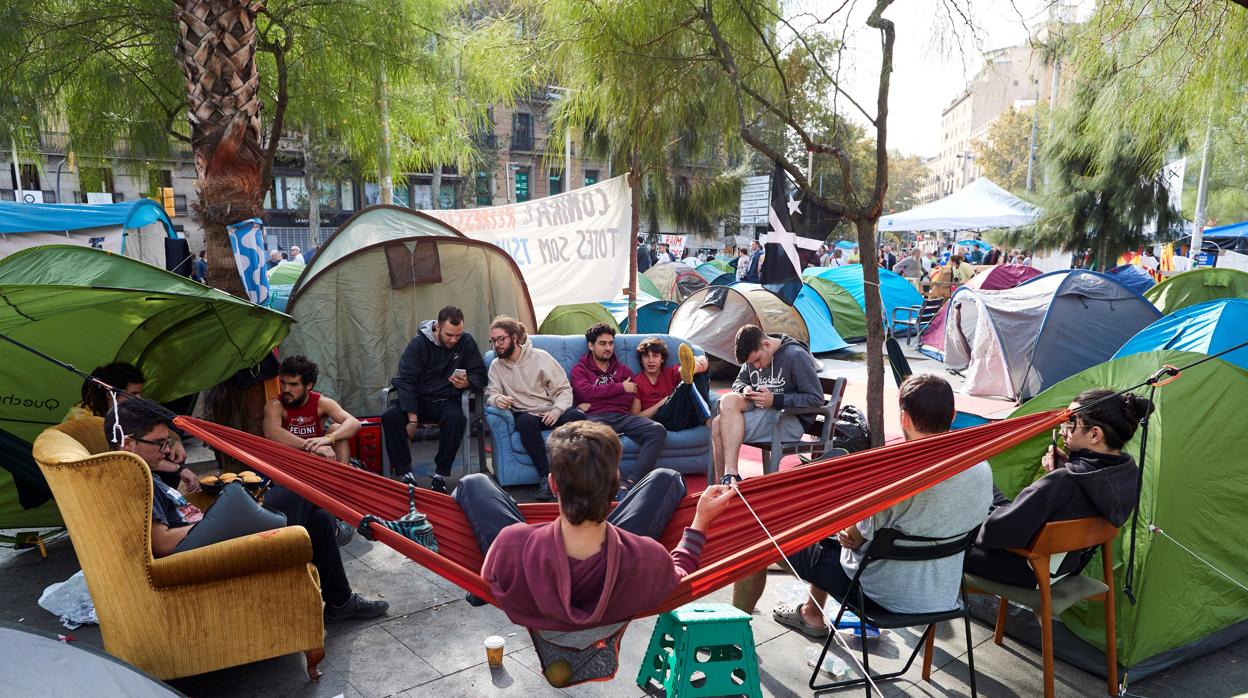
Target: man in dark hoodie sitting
pixel 1095 479
pixel 604 389
pixel 777 371
pixel 592 566
pixel 440 362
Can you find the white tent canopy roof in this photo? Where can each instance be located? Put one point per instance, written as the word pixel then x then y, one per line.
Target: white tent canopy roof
pixel 977 206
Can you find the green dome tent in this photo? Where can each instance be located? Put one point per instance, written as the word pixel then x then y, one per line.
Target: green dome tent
pixel 1197 286
pixel 88 307
pixel 1194 490
pixel 646 286
pixel 285 274
pixel 574 319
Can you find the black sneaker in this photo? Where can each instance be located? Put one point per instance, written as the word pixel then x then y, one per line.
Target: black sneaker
pixel 438 484
pixel 356 608
pixel 729 478
pixel 543 492
pixel 345 532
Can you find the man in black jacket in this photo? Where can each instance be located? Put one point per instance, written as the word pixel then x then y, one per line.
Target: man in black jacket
pixel 440 362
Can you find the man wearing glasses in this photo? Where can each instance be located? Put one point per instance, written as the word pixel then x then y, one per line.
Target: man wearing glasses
pixel 533 386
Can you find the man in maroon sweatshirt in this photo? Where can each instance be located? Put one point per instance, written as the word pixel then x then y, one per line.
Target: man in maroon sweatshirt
pixel 591 566
pixel 603 388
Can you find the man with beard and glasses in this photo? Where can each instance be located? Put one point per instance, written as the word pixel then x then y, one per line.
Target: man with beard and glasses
pixel 297 418
pixel 533 386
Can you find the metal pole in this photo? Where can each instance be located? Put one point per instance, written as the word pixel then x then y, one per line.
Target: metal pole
pixel 383 108
pixel 17 171
pixel 1031 147
pixel 567 159
pixel 1202 192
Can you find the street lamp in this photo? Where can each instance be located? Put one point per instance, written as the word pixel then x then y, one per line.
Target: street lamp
pixel 966 157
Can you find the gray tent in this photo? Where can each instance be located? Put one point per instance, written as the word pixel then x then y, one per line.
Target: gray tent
pixel 1017 342
pixel 711 317
pixel 385 271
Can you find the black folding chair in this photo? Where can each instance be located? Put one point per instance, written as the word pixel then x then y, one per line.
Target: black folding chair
pixel 891 544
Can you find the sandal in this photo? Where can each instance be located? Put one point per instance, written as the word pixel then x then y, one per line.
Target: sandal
pixel 790 616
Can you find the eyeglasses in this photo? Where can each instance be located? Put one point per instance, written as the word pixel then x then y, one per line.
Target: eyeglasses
pixel 163 444
pixel 1073 425
pixel 499 340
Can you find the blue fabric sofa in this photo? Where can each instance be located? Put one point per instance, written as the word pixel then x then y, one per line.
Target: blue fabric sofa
pixel 687 451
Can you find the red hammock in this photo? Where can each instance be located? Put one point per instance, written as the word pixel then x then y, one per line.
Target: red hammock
pixel 800 506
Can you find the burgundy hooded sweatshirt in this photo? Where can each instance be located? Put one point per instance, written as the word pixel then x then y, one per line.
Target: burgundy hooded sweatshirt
pixel 602 389
pixel 540 587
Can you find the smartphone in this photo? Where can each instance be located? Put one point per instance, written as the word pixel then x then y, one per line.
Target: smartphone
pixel 460 372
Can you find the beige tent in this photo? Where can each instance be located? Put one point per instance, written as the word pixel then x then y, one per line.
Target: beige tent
pixel 711 317
pixel 385 271
pixel 675 281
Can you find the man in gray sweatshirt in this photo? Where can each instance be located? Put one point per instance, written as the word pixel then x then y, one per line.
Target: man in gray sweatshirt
pixel 777 371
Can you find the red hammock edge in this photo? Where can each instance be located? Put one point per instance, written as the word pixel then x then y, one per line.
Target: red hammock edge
pixel 780 497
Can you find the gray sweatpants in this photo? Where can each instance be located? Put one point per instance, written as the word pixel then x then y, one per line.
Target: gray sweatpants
pixel 649 435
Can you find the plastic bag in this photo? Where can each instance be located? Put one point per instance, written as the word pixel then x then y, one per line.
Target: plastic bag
pixel 71 601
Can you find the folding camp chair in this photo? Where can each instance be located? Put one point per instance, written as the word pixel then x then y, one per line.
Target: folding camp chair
pixel 474 410
pixel 825 422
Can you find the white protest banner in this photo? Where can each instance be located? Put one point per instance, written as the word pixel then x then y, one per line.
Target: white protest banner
pixel 675 245
pixel 571 248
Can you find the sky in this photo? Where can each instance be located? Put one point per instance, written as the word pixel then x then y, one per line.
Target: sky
pixel 934 58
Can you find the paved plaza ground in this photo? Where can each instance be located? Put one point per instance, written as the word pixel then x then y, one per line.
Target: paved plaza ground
pixel 430 643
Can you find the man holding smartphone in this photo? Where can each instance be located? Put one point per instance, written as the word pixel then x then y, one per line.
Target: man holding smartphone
pixel 440 362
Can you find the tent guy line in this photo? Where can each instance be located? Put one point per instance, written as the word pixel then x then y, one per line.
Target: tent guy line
pixel 1154 528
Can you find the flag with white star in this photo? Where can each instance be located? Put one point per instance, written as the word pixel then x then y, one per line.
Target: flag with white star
pixel 786 251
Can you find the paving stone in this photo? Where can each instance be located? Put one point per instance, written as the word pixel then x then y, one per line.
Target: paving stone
pixel 406 591
pixel 282 677
pixel 1221 673
pixel 376 662
pixel 480 681
pixel 632 652
pixel 449 637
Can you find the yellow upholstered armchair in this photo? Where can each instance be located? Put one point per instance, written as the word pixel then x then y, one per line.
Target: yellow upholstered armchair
pixel 226 604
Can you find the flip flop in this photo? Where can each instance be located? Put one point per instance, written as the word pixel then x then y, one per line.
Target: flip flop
pixel 790 616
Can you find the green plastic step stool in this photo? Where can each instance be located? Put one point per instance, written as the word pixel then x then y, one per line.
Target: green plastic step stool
pixel 702 649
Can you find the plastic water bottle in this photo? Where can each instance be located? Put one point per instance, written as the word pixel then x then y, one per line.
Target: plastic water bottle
pixel 832 665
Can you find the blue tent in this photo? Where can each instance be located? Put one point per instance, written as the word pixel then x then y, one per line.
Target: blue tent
pixel 846 245
pixel 1206 328
pixel 103 226
pixel 814 310
pixel 840 285
pixel 653 315
pixel 1133 277
pixel 18 218
pixel 975 243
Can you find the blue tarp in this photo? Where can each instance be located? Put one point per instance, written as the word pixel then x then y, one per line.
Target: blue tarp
pixel 1234 230
pixel 975 243
pixel 1133 277
pixel 847 245
pixel 1206 328
pixel 823 336
pixel 18 218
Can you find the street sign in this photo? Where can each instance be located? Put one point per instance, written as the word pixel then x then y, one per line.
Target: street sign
pixel 755 195
pixel 753 220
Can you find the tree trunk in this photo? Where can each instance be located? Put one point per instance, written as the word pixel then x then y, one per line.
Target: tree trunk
pixel 314 194
pixel 217 53
pixel 435 183
pixel 875 330
pixel 634 190
pixel 383 158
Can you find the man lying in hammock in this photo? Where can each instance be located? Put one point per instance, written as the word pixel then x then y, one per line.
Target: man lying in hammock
pixel 591 566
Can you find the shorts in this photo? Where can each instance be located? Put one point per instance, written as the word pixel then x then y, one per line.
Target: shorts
pixel 760 422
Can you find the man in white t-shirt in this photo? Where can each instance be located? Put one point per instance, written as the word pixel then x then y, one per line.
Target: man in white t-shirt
pixel 945 510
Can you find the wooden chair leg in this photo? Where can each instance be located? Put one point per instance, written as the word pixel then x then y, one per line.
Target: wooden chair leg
pixel 314 658
pixel 929 642
pixel 998 633
pixel 1045 616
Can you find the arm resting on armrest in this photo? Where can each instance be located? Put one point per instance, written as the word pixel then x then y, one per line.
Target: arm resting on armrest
pixel 239 557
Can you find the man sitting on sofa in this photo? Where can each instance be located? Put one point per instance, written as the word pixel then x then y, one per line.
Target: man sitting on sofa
pixel 777 371
pixel 145 431
pixel 533 386
pixel 604 390
pixel 668 395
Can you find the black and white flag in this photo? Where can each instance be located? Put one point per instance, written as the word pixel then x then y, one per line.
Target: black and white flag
pixel 787 249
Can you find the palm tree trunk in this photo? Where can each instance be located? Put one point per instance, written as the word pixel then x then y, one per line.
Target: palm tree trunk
pixel 217 52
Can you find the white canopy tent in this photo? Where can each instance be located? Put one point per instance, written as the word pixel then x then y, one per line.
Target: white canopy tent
pixel 979 205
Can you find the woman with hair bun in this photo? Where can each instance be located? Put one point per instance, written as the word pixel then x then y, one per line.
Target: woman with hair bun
pixel 1093 478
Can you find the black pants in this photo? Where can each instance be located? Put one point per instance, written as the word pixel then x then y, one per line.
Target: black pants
pixel 323 530
pixel 449 415
pixel 530 428
pixel 649 435
pixel 687 408
pixel 820 564
pixel 644 512
pixel 1001 565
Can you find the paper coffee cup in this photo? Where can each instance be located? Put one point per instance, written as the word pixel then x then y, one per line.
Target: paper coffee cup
pixel 494 650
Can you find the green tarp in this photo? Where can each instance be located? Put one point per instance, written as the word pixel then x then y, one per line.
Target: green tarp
pixel 87 307
pixel 1197 286
pixel 1195 487
pixel 285 274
